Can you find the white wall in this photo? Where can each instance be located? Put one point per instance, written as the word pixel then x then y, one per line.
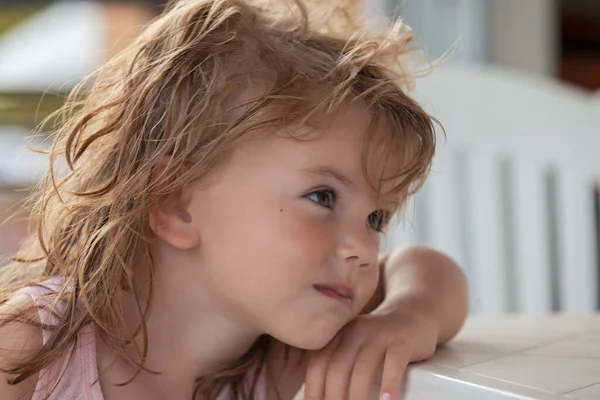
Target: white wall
pixel 441 24
pixel 521 34
pixel 524 34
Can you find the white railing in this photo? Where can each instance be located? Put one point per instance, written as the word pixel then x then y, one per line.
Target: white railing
pixel 512 196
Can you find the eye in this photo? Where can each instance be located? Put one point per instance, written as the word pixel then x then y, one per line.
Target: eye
pixel 323 197
pixel 378 220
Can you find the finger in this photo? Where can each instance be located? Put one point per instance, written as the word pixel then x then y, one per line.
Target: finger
pixel 340 368
pixel 366 366
pixel 394 366
pixel 316 370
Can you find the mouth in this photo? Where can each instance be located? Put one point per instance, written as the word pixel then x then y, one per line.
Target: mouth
pixel 341 293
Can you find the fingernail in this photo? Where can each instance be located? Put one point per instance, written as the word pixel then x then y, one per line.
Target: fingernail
pixel 386 396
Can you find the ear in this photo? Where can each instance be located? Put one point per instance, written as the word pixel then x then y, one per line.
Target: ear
pixel 171 220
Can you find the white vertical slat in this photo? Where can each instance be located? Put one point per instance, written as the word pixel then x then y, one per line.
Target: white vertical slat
pixel 531 240
pixel 577 247
pixel 485 239
pixel 444 224
pixel 421 216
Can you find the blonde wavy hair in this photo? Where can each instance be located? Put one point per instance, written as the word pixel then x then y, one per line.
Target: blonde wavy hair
pixel 176 92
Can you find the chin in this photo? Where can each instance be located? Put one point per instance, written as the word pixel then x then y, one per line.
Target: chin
pixel 310 339
pixel 307 343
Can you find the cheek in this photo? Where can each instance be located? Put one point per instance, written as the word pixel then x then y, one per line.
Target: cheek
pixel 266 245
pixel 305 234
pixel 296 247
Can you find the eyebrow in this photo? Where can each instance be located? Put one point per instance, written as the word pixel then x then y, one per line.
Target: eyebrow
pixel 329 172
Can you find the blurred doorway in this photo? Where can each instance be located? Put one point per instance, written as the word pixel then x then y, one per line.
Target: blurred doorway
pixel 580 43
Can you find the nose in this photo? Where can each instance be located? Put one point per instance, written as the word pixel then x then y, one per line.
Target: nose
pixel 358 245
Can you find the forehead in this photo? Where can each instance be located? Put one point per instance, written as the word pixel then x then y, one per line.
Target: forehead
pixel 339 144
pixel 335 143
pixel 348 128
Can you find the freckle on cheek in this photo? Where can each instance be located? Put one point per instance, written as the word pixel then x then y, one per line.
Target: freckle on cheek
pixel 281 210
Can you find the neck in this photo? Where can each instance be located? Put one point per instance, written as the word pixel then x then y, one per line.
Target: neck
pixel 185 340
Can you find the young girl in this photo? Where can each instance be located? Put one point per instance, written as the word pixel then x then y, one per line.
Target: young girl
pixel 210 220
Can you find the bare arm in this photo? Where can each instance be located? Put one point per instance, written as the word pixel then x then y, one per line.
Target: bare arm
pixel 426 281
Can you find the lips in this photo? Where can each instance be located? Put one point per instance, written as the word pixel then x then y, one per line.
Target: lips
pixel 341 292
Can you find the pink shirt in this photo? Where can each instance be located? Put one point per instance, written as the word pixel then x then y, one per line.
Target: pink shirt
pixel 78 379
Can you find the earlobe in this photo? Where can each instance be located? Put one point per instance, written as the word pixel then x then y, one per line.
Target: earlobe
pixel 185 216
pixel 170 218
pixel 172 222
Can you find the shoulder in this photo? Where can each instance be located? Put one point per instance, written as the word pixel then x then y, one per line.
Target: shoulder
pixel 285 377
pixel 18 341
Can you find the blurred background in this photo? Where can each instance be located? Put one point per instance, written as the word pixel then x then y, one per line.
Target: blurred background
pixel 514 191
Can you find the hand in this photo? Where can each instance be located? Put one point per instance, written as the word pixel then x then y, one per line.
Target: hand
pixel 372 346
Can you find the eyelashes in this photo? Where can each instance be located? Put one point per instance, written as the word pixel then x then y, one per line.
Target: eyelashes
pixel 324 197
pixel 328 197
pixel 379 219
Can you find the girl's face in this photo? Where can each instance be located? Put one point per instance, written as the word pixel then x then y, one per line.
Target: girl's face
pixel 282 217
